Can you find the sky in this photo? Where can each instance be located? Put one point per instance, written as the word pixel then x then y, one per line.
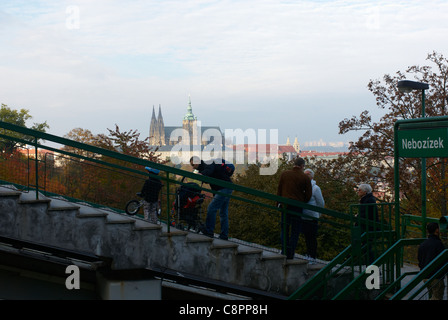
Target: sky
pixel 298 67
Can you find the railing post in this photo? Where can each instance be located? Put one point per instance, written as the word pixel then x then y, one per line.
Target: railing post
pixel 37 168
pixel 283 228
pixel 168 212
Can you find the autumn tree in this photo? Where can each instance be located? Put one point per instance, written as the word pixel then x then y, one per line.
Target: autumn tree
pixel 89 180
pixel 251 222
pixel 20 118
pixel 262 225
pixel 371 156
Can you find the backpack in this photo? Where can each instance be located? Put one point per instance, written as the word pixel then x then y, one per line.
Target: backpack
pixel 228 168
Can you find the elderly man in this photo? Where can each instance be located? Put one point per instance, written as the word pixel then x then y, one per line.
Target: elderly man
pixel 368 218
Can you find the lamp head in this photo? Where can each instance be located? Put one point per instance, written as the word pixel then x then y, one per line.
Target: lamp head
pixel 407 86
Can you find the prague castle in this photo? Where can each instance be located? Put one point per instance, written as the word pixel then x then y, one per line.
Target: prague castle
pixel 161 135
pixel 192 134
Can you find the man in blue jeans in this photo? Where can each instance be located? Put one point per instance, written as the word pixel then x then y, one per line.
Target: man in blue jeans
pixel 220 200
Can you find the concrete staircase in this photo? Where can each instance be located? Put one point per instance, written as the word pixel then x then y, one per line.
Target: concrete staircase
pixel 135 243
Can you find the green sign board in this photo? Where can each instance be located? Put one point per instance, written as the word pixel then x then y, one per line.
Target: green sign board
pixel 423 143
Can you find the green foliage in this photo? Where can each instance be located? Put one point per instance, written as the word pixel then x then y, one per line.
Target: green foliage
pixel 255 223
pixel 376 145
pixel 258 224
pixel 17 117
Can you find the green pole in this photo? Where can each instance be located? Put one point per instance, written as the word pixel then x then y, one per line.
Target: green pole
pixel 37 168
pixel 423 177
pixel 168 220
pixel 397 183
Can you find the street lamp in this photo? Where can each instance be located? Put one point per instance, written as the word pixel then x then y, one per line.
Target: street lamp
pixel 407 86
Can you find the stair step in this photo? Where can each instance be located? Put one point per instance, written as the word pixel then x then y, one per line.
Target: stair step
pixel 195 238
pixel 89 212
pixel 146 225
pixel 116 218
pixel 268 255
pixel 30 197
pixel 57 204
pixel 291 262
pixel 9 191
pixel 246 250
pixel 223 244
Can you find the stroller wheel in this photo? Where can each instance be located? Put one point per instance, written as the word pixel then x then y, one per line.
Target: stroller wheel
pixel 199 227
pixel 180 226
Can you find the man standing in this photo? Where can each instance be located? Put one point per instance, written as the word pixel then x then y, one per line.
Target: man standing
pixel 220 201
pixel 368 219
pixel 427 252
pixel 293 184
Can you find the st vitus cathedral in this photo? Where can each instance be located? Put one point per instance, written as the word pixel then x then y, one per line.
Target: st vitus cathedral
pixel 161 135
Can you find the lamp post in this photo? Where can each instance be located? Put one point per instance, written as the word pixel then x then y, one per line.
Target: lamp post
pixel 407 86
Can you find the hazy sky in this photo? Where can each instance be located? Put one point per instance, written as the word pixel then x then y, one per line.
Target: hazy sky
pixel 297 66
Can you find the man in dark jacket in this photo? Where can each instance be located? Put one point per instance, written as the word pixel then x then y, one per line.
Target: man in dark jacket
pixel 427 252
pixel 368 213
pixel 368 218
pixel 220 200
pixel 294 184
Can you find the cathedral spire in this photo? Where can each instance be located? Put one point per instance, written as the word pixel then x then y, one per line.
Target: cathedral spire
pixel 153 128
pixel 296 145
pixel 153 113
pixel 159 117
pixel 189 115
pixel 161 128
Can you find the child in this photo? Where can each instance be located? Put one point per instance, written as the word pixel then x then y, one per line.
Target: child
pixel 150 194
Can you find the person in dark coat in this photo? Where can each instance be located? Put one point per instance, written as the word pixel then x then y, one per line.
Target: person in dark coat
pixel 220 201
pixel 368 218
pixel 427 252
pixel 294 184
pixel 368 213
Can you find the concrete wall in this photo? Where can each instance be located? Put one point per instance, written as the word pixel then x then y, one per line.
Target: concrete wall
pixel 134 243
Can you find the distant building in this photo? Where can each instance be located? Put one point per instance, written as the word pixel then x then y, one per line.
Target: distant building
pixel 200 138
pixel 321 155
pixel 264 152
pixel 161 135
pixel 296 144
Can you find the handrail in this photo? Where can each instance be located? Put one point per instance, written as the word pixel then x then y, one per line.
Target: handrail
pixel 391 253
pixel 319 280
pixel 344 259
pixel 162 167
pixel 440 260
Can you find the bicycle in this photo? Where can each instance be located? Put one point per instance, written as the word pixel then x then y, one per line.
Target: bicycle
pixel 133 206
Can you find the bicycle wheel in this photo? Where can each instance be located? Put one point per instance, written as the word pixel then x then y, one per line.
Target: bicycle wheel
pixel 132 207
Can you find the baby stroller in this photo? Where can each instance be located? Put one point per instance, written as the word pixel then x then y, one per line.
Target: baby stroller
pixel 187 207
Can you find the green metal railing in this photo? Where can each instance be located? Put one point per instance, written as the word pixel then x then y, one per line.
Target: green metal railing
pixel 121 166
pixel 436 270
pixel 370 238
pixel 170 175
pixel 390 263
